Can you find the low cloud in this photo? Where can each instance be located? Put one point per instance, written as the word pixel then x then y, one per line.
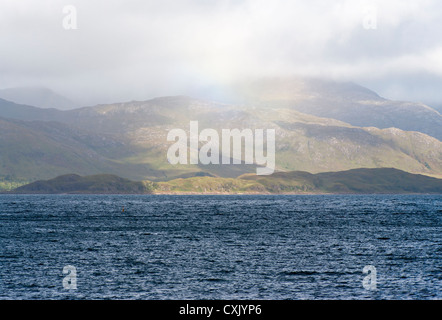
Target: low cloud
pixel 124 50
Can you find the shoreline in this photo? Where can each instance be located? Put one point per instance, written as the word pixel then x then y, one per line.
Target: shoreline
pixel 190 193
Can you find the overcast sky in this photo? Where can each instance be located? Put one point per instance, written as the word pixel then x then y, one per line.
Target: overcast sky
pixel 138 49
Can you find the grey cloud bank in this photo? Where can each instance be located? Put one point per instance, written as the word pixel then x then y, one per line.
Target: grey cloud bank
pixel 126 50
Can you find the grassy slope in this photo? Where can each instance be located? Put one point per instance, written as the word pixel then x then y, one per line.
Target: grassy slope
pixel 353 181
pixel 209 185
pixel 8 183
pixel 96 184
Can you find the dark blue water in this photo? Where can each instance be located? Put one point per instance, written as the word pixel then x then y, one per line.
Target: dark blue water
pixel 220 247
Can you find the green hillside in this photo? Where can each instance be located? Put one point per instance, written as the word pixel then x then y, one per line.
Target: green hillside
pixel 129 140
pixel 383 180
pixel 96 184
pixel 358 181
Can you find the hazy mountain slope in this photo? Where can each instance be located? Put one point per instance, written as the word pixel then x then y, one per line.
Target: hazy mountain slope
pixel 318 148
pixel 304 142
pixel 129 139
pixel 13 110
pixel 39 150
pixel 42 149
pixel 37 96
pixel 347 102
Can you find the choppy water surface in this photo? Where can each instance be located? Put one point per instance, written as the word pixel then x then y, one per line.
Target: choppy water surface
pixel 220 247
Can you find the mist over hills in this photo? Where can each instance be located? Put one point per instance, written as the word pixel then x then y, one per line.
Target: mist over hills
pixel 438 108
pixel 345 101
pixel 37 96
pixel 316 131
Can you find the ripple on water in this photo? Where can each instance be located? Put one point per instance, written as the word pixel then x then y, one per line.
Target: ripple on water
pixel 220 247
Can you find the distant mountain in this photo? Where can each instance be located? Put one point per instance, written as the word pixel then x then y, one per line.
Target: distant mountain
pixel 129 140
pixel 96 184
pixel 343 101
pixel 359 181
pixel 12 110
pixel 37 96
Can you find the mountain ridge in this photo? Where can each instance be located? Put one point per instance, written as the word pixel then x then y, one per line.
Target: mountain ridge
pixel 128 139
pixel 345 101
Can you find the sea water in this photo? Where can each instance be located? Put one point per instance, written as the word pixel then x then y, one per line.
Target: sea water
pixel 220 247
